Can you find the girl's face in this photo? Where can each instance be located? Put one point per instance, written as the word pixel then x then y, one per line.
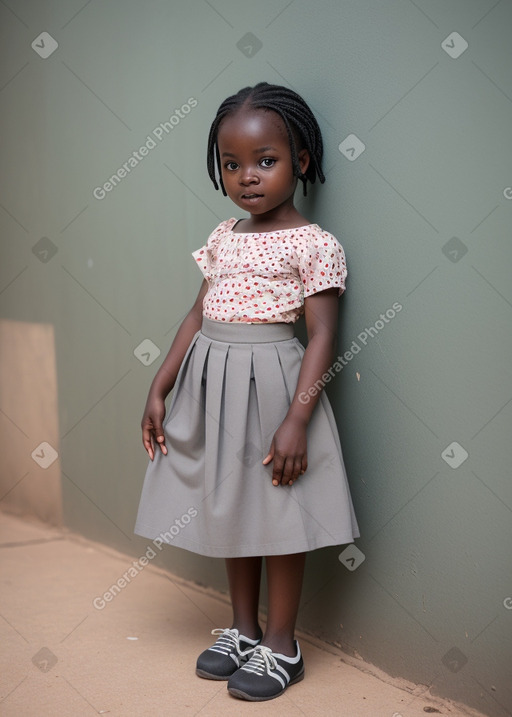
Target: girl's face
pixel 256 162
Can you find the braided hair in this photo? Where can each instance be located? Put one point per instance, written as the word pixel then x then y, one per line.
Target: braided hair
pixel 301 126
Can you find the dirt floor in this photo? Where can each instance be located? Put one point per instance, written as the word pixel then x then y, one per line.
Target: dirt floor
pixel 135 654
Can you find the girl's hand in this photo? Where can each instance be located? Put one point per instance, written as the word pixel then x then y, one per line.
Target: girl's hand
pixel 163 383
pixel 288 450
pixel 151 425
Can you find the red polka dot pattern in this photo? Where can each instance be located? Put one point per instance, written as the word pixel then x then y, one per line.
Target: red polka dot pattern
pixel 266 276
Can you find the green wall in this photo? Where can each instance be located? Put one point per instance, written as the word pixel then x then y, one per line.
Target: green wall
pixel 424 214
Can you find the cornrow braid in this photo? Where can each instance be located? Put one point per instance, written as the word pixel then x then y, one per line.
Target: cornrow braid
pixel 298 119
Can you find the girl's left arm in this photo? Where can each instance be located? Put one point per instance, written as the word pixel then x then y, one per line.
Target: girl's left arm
pixel 288 449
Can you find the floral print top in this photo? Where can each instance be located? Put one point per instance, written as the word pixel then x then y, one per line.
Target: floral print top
pixel 255 277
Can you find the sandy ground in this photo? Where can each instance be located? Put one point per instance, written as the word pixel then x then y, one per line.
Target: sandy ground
pixel 136 656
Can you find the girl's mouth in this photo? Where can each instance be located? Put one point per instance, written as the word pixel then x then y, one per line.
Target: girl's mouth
pixel 251 200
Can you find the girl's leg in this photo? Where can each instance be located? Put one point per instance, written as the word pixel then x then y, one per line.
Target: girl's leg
pixel 284 576
pixel 244 576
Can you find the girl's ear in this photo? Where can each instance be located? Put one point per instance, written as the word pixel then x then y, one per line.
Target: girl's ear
pixel 303 156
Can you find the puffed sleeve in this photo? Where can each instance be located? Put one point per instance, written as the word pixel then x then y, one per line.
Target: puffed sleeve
pixel 205 256
pixel 203 262
pixel 322 263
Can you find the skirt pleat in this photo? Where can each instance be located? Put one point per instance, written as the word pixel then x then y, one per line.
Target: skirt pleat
pixel 211 494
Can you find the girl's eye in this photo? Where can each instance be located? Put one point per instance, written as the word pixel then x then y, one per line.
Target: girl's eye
pixel 231 166
pixel 268 162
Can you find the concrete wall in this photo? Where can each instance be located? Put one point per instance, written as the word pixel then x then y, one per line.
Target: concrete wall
pixel 424 214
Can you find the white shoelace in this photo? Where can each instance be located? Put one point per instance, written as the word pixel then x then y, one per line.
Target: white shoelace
pixel 227 642
pixel 262 660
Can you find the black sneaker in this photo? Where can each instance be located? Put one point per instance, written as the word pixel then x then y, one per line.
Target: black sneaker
pixel 266 674
pixel 223 658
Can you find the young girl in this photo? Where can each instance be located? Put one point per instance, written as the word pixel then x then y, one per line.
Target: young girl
pixel 248 461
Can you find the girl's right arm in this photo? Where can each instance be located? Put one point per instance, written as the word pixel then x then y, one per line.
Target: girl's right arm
pixel 165 378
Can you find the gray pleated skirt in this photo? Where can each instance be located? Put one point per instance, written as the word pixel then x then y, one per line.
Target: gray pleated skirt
pixel 211 494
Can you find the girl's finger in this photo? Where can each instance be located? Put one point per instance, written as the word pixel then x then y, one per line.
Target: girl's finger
pixel 287 472
pixel 302 465
pixel 147 442
pixel 270 455
pixel 277 473
pixel 290 477
pixel 161 440
pixel 297 469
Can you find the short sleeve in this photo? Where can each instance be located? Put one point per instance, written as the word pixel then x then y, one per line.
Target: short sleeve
pixel 202 260
pixel 322 263
pixel 205 255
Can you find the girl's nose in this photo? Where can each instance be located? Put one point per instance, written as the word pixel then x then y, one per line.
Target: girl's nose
pixel 249 176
